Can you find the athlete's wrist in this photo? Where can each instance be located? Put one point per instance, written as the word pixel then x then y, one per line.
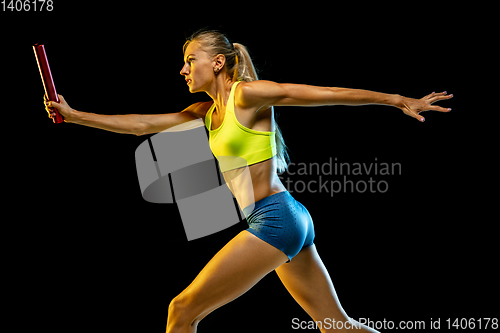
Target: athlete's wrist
pixel 73 116
pixel 396 100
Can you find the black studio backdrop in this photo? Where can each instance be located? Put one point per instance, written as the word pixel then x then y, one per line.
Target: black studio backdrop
pixel 88 253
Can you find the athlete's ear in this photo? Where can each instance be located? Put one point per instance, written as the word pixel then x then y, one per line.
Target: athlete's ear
pixel 219 62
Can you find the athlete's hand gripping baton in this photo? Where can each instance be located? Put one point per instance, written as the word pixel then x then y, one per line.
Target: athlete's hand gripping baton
pixel 48 82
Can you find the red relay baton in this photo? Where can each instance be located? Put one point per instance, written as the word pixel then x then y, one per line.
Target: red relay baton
pixel 48 82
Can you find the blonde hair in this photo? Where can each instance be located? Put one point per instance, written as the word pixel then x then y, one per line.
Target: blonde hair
pixel 239 66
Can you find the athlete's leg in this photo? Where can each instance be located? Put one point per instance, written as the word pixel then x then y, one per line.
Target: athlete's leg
pixel 238 266
pixel 309 283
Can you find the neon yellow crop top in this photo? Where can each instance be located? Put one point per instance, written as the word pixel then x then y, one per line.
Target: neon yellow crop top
pixel 235 145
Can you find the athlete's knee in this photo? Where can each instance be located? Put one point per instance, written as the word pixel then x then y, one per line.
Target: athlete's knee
pixel 179 312
pixel 174 307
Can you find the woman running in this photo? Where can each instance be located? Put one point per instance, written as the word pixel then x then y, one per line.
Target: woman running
pixel 241 124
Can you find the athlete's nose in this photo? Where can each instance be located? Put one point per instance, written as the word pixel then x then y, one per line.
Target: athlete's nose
pixel 184 70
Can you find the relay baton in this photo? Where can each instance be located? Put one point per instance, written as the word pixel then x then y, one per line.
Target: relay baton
pixel 48 82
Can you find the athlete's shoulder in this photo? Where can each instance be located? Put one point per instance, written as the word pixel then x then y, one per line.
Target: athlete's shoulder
pixel 199 109
pixel 255 94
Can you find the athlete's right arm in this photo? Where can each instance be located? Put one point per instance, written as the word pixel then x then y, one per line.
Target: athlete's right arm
pixel 137 124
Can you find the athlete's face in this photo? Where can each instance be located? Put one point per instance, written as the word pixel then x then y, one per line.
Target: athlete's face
pixel 198 68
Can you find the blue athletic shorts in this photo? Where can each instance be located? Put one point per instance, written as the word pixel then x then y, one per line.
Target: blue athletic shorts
pixel 281 221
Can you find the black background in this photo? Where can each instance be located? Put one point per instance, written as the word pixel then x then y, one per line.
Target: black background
pixel 85 252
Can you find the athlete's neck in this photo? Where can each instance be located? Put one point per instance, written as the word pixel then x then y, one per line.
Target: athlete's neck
pixel 220 90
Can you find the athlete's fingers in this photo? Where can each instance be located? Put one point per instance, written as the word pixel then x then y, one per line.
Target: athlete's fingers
pixel 440 97
pixel 430 95
pixel 439 108
pixel 61 99
pixel 416 116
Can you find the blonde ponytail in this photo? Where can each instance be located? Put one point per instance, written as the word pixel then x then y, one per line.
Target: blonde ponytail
pixel 244 68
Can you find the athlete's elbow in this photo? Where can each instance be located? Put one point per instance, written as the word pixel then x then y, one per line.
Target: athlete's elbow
pixel 138 133
pixel 139 129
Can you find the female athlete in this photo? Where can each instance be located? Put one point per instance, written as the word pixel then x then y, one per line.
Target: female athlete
pixel 240 120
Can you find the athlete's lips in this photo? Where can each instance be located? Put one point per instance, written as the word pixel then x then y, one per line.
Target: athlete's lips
pixel 188 81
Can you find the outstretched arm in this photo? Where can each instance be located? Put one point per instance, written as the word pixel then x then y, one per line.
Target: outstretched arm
pixel 263 94
pixel 138 124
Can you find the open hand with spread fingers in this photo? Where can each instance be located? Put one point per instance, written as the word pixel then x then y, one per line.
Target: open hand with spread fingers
pixel 413 107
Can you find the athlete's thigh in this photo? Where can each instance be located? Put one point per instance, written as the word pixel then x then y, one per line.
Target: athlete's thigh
pixel 309 283
pixel 238 266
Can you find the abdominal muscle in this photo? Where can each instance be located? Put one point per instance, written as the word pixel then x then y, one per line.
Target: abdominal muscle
pixel 253 183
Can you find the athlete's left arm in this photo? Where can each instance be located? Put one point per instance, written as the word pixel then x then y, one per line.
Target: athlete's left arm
pixel 263 94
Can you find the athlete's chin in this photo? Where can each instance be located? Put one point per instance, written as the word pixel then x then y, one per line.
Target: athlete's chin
pixel 193 90
pixel 197 86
